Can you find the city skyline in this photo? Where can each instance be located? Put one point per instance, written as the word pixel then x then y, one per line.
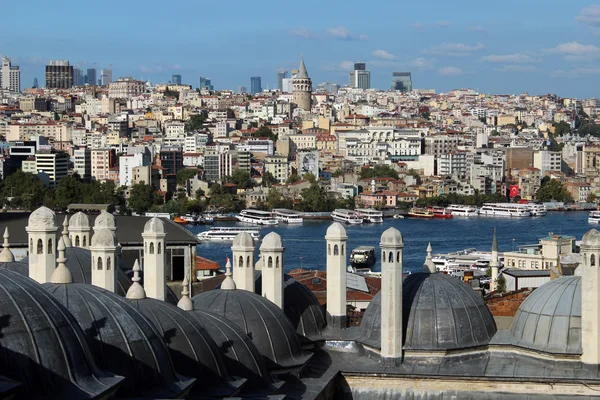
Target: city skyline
pixel 492 49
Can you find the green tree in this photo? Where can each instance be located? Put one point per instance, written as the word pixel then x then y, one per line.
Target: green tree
pixel 196 122
pixel 268 179
pixel 26 190
pixel 501 284
pixel 553 190
pixel 562 128
pixel 241 178
pixel 183 175
pixel 310 177
pixel 495 133
pixel 426 115
pixel 263 131
pixel 591 198
pixel 69 190
pixel 293 178
pixel 171 93
pixel 337 172
pixel 379 170
pixel 276 200
pixel 142 197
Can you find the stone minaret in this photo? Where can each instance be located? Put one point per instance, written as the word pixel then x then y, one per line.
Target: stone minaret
pixel 271 255
pixel 429 266
pixel 590 297
pixel 494 264
pixel 6 255
pixel 136 290
pixel 243 261
pixel 302 88
pixel 104 256
pixel 392 246
pixel 65 233
pixel 79 230
pixel 42 231
pixel 154 259
pixel 61 274
pixel 336 275
pixel 228 283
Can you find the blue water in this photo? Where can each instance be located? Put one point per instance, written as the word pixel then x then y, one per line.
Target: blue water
pixel 305 244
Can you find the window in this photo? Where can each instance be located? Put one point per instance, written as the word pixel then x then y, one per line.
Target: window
pixel 84 242
pixel 391 257
pixel 49 246
pixel 336 250
pixel 383 256
pixel 159 247
pixel 77 241
pixel 329 249
pixel 31 246
pixel 248 262
pixel 398 257
pixel 342 249
pixel 593 260
pixel 40 247
pixel 241 262
pixel 108 264
pixel 151 248
pixel 99 264
pixel 276 262
pixel 270 262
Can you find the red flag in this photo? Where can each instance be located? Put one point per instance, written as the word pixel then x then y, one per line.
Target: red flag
pixel 514 191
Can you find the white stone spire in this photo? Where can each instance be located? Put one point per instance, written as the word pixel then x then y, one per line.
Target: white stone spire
pixel 336 239
pixel 6 255
pixel 65 232
pixel 61 274
pixel 590 297
pixel 79 230
pixel 243 261
pixel 136 290
pixel 185 303
pixel 228 283
pixel 271 255
pixel 155 281
pixel 429 266
pixel 103 254
pixel 392 245
pixel 42 234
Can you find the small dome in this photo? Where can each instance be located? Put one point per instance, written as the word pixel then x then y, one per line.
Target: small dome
pixel 268 327
pixel 550 318
pixel 42 218
pixel 122 341
pixel 391 236
pixel 271 242
pixel 105 220
pixel 79 221
pixel 43 347
pixel 591 238
pixel 104 238
pixel 20 267
pixel 336 231
pixel 154 225
pixel 243 240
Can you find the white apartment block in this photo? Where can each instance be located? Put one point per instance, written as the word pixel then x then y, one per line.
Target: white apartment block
pixel 453 164
pixel 278 166
pixel 125 88
pixel 193 159
pixel 440 144
pixel 10 76
pixel 101 161
pixel 55 165
pixel 378 143
pixel 546 160
pixel 258 146
pixel 127 163
pixel 82 162
pixel 174 129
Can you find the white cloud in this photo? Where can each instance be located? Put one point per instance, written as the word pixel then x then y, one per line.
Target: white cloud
pixel 344 66
pixel 443 24
pixel 477 28
pixel 454 49
pixel 573 51
pixel 421 64
pixel 517 68
pixel 509 58
pixel 303 33
pixel 590 16
pixel 344 33
pixel 384 54
pixel 576 72
pixel 450 71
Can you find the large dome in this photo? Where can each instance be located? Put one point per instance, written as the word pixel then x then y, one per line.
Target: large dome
pixel 192 349
pixel 42 218
pixel 43 347
pixel 105 220
pixel 439 313
pixel 21 267
pixel 550 318
pixel 268 327
pixel 122 341
pixel 79 221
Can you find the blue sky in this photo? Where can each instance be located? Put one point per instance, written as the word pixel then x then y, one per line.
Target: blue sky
pixel 496 47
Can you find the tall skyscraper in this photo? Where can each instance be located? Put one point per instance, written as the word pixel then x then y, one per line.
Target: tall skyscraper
pixel 176 79
pixel 90 77
pixel 204 83
pixel 10 76
pixel 59 75
pixel 35 83
pixel 302 94
pixel 242 90
pixel 78 78
pixel 360 78
pixel 402 81
pixel 255 85
pixel 106 76
pixel 281 75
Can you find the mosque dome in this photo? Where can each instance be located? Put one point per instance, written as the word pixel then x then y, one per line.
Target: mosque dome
pixel 336 231
pixel 271 242
pixel 265 323
pixel 79 221
pixel 105 220
pixel 392 236
pixel 154 225
pixel 549 319
pixel 591 238
pixel 43 346
pixel 42 218
pixel 19 267
pixel 243 240
pixel 439 313
pixel 104 238
pixel 122 341
pixel 192 349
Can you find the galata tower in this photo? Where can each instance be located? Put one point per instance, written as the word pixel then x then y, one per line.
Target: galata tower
pixel 302 88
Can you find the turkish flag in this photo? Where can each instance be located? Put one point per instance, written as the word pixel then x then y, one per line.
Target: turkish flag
pixel 514 191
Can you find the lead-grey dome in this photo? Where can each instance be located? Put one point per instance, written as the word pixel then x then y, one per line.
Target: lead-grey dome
pixel 268 327
pixel 42 218
pixel 122 341
pixel 20 267
pixel 439 313
pixel 550 318
pixel 79 221
pixel 43 347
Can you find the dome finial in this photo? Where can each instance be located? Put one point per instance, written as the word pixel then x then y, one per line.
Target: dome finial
pixel 61 274
pixel 185 303
pixel 6 255
pixel 136 291
pixel 429 266
pixel 65 232
pixel 228 283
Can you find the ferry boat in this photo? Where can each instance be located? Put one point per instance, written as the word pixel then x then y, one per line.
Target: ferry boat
pixel 458 261
pixel 347 216
pixel 370 215
pixel 362 258
pixel 417 212
pixel 594 217
pixel 537 210
pixel 257 217
pixel 223 234
pixel 180 220
pixel 505 210
pixel 460 210
pixel 287 216
pixel 440 212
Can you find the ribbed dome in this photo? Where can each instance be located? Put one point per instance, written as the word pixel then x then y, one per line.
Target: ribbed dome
pixel 21 267
pixel 268 327
pixel 392 236
pixel 272 242
pixel 104 238
pixel 243 240
pixel 591 238
pixel 105 220
pixel 42 218
pixel 550 318
pixel 192 349
pixel 79 221
pixel 154 225
pixel 43 347
pixel 122 341
pixel 336 231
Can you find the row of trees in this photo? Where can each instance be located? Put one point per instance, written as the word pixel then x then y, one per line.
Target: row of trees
pixel 452 198
pixel 314 199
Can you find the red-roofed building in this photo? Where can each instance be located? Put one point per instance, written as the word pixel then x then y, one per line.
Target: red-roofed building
pixel 206 268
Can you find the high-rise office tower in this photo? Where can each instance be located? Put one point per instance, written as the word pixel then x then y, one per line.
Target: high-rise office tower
pixel 255 85
pixel 35 83
pixel 10 76
pixel 302 94
pixel 204 83
pixel 59 75
pixel 281 75
pixel 360 78
pixel 335 88
pixel 402 81
pixel 90 77
pixel 106 76
pixel 176 79
pixel 78 78
pixel 242 90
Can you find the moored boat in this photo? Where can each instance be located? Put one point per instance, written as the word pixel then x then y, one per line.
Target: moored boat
pixel 362 258
pixel 226 234
pixel 180 220
pixel 594 217
pixel 257 217
pixel 461 210
pixel 417 212
pixel 287 216
pixel 370 215
pixel 505 210
pixel 440 212
pixel 347 216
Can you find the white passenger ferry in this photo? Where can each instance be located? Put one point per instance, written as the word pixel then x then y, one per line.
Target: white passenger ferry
pixel 256 217
pixel 287 216
pixel 461 210
pixel 537 210
pixel 370 215
pixel 505 210
pixel 347 216
pixel 227 234
pixel 594 217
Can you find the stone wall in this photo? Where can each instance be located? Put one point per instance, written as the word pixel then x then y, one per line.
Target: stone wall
pixel 506 304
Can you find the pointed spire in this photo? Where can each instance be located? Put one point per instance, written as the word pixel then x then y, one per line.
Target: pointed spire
pixel 228 283
pixel 6 255
pixel 494 241
pixel 65 232
pixel 185 303
pixel 302 73
pixel 61 274
pixel 429 266
pixel 136 290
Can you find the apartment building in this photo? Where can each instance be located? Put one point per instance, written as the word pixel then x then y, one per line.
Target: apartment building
pixel 82 163
pixel 546 160
pixel 278 166
pixel 125 88
pixel 54 164
pixel 102 161
pixel 453 164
